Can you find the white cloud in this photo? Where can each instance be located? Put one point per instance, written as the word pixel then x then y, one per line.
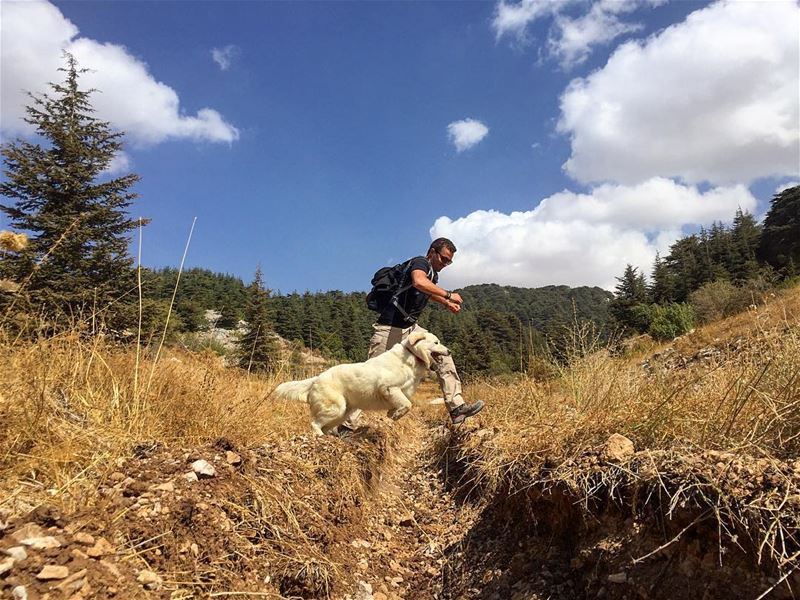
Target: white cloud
pixel 582 239
pixel 34 35
pixel 514 18
pixel 224 56
pixel 466 133
pixel 120 164
pixel 714 98
pixel 571 37
pixel 786 186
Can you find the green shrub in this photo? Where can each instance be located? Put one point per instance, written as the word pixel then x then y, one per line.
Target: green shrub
pixel 640 316
pixel 670 321
pixel 718 299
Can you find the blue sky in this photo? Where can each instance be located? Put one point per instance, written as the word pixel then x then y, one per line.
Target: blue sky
pixel 554 142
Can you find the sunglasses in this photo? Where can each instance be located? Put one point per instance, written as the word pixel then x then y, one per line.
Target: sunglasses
pixel 445 261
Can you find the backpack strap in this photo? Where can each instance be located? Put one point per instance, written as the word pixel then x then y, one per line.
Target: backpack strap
pixel 394 301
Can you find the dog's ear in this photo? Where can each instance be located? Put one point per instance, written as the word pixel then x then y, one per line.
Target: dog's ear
pixel 419 350
pixel 415 337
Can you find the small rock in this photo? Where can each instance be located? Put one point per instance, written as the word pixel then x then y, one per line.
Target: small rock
pixel 84 538
pixel 203 469
pixel 6 565
pixel 53 572
pixel 19 593
pixel 78 554
pixel 17 553
pixel 406 520
pixel 191 476
pixel 73 583
pixel 100 548
pixel 42 543
pixel 232 458
pixel 618 448
pixel 618 578
pixel 111 568
pixel 116 476
pixel 149 580
pixel 364 591
pixel 396 566
pixel 165 487
pixel 28 530
pixel 381 595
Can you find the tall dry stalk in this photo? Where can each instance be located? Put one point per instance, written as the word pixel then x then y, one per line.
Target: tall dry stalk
pixel 139 316
pixel 171 304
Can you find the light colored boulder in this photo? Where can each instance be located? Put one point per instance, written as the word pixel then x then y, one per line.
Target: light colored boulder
pixel 618 448
pixel 53 572
pixel 203 468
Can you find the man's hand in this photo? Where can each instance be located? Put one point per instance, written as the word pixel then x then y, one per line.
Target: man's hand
pixel 452 306
pixel 456 297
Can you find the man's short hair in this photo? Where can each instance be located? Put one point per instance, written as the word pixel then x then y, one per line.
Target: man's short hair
pixel 440 243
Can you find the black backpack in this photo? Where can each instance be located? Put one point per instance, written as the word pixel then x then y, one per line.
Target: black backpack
pixel 386 284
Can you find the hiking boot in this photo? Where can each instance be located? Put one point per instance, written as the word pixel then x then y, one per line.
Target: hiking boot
pixel 460 413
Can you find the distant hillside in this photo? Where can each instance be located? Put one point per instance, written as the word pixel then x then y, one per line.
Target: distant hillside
pixel 496 332
pixel 543 306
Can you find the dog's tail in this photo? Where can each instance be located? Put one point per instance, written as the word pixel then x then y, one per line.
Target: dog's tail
pixel 295 390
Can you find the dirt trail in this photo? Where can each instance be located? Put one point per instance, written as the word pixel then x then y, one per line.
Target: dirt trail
pixel 412 523
pixel 426 537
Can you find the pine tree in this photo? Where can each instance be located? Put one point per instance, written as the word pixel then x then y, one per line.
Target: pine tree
pixel 780 239
pixel 289 317
pixel 77 259
pixel 745 236
pixel 662 287
pixel 683 261
pixel 258 347
pixel 630 292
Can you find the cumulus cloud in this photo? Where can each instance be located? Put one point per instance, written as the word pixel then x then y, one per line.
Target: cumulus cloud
pixel 571 37
pixel 712 99
pixel 225 56
pixel 120 163
pixel 34 36
pixel 582 239
pixel 466 133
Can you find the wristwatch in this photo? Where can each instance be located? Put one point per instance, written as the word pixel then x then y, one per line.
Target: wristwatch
pixel 448 295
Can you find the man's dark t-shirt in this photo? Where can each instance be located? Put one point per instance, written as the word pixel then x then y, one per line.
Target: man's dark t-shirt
pixel 412 300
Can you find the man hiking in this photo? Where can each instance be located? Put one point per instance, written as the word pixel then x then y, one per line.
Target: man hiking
pixel 417 284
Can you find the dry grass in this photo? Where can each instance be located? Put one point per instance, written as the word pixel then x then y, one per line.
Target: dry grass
pixel 715 419
pixel 741 395
pixel 70 408
pixel 73 411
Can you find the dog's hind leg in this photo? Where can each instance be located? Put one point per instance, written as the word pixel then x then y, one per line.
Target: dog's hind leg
pixel 326 412
pixel 399 403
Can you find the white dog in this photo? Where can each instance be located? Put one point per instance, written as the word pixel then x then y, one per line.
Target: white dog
pixel 385 382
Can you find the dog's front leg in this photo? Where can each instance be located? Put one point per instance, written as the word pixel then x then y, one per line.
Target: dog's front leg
pixel 399 403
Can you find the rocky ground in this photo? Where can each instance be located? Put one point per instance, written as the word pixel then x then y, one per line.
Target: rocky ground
pixel 385 514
